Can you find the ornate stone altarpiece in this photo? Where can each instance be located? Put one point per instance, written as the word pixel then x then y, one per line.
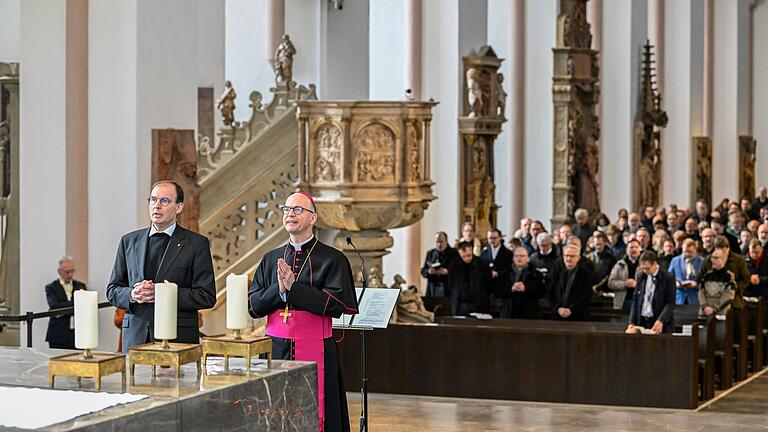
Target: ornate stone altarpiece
pixel 480 124
pixel 575 91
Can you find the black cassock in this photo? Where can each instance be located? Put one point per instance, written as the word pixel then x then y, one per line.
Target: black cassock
pixel 323 287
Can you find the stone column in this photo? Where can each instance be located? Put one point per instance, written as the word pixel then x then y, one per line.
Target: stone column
pixel 706 114
pixel 595 18
pixel 683 77
pixel 344 52
pixel 729 79
pixel 77 134
pixel 760 89
pixel 413 232
pixel 274 22
pixel 516 90
pixel 626 29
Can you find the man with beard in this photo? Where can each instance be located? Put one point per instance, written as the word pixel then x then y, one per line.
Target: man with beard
pixel 582 229
pixel 758 270
pixel 733 263
pixel 692 230
pixel 571 287
pixel 435 268
pixel 702 211
pixel 623 277
pixel 522 288
pixel 469 279
pixel 707 242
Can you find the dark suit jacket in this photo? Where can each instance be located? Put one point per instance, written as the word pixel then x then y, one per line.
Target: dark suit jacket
pixel 187 262
pixel 59 334
pixel 663 303
pixel 575 296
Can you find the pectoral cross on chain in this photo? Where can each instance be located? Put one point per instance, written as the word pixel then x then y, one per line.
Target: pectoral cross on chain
pixel 285 314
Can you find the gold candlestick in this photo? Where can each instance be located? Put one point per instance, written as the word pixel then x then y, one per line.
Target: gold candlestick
pixel 164 353
pixel 88 364
pixel 237 345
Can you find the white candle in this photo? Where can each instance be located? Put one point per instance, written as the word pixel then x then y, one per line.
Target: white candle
pixel 86 319
pixel 166 310
pixel 237 302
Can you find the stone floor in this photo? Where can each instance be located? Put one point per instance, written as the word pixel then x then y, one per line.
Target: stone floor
pixel 744 409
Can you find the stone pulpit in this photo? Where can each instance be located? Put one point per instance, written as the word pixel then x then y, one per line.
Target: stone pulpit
pixel 480 124
pixel 367 165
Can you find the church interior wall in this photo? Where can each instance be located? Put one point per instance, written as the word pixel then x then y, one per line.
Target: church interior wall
pixel 682 82
pixel 42 178
pixel 540 30
pixel 136 50
pixel 624 30
pixel 725 86
pixel 10 31
pixel 500 38
pixel 760 90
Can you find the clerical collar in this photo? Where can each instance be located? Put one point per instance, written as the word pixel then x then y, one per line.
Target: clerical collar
pixel 169 230
pixel 542 253
pixel 297 246
pixel 62 282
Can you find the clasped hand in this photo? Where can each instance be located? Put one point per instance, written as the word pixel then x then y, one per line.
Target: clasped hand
pixel 143 292
pixel 285 276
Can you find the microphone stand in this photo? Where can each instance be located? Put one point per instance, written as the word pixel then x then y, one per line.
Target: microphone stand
pixel 363 351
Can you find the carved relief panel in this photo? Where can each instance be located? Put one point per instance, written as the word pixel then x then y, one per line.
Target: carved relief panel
pixel 374 153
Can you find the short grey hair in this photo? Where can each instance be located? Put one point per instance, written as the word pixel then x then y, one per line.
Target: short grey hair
pixel 580 212
pixel 62 259
pixel 543 237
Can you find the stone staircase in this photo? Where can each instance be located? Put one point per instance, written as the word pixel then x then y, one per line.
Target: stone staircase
pixel 244 176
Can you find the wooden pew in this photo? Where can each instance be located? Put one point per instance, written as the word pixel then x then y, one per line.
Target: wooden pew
pixel 688 315
pixel 755 339
pixel 740 349
pixel 724 349
pixel 533 360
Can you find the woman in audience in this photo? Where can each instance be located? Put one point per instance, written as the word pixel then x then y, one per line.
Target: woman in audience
pixel 657 241
pixel 745 237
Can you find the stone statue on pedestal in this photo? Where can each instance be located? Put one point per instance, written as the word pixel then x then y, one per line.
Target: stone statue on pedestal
pixel 284 60
pixel 226 104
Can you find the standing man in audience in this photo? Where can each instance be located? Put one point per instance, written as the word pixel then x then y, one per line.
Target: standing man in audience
pixel 692 229
pixel 546 258
pixel 685 268
pixel 571 287
pixel 602 259
pixel 525 236
pixel 622 280
pixel 435 268
pixel 702 211
pixel 521 289
pixel 707 242
pixel 758 270
pixel 633 222
pixel 499 258
pixel 761 200
pixel 582 229
pixel 60 294
pixel 563 234
pixel 717 284
pixel 469 282
pixel 614 242
pixel 163 251
pixel 733 263
pixel 654 299
pixel 644 238
pixel 719 230
pixel 762 234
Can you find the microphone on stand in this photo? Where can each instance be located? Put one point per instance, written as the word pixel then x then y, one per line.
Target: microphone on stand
pixel 362 262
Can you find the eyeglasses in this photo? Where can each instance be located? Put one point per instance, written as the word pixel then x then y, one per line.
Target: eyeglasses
pixel 164 201
pixel 296 210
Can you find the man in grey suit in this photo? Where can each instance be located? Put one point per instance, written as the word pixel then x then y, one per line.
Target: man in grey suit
pixel 164 251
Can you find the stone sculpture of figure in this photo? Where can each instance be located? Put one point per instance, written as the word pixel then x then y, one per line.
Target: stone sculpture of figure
pixel 284 60
pixel 501 96
pixel 705 172
pixel 375 278
pixel 649 182
pixel 474 92
pixel 410 307
pixel 399 282
pixel 226 104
